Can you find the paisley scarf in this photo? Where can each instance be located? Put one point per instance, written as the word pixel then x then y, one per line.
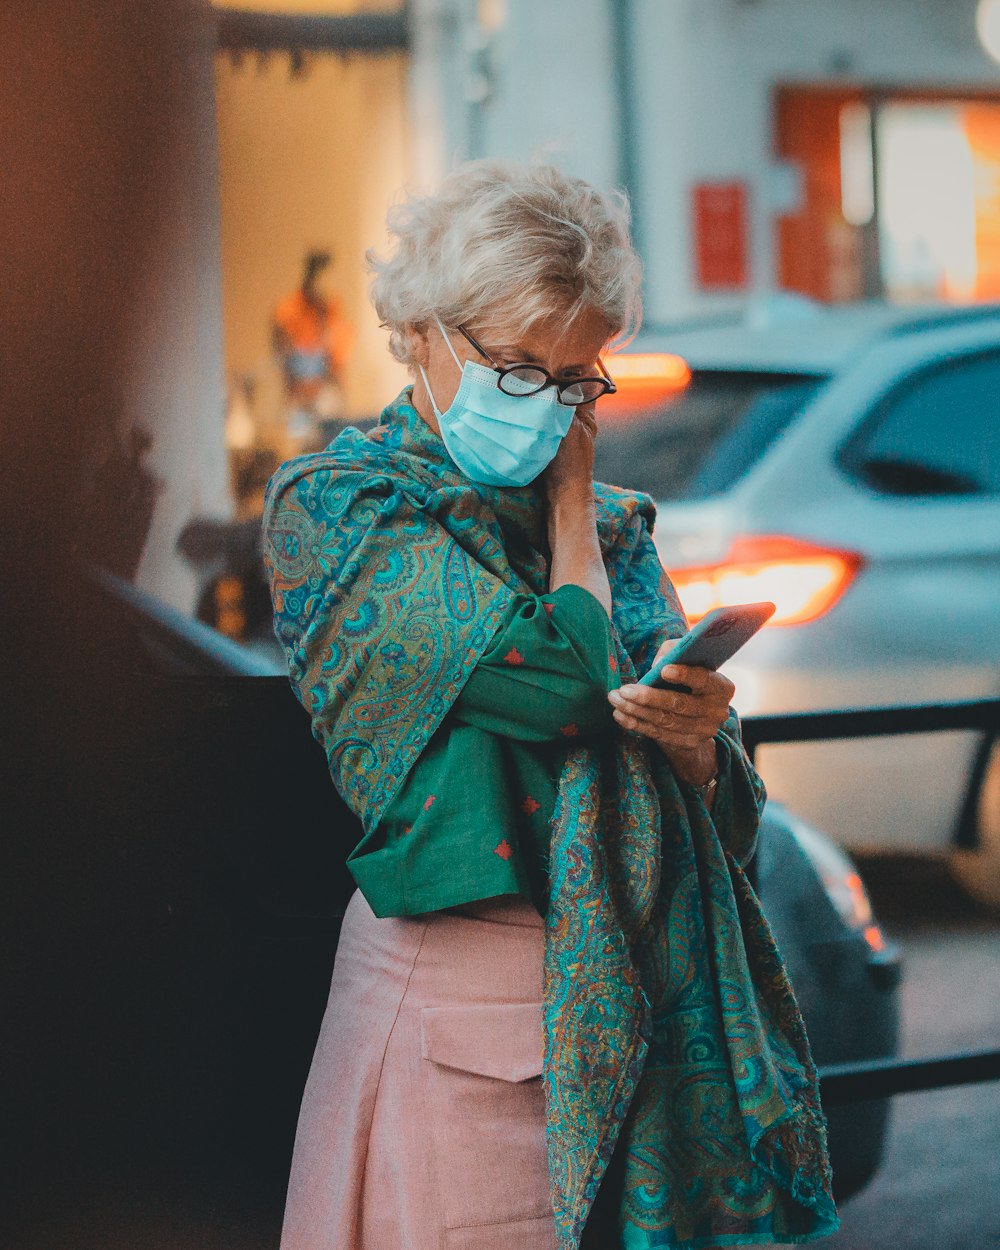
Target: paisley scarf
pixel 678 1077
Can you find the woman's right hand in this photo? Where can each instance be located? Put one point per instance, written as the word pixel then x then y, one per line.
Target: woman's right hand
pixel 570 475
pixel 572 512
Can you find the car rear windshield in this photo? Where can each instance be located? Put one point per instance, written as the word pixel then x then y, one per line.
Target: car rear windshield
pixel 701 440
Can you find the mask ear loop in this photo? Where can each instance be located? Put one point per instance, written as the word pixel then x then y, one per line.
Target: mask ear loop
pixel 444 335
pixel 454 356
pixel 430 393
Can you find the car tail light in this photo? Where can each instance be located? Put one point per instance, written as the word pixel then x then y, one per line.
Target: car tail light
pixel 644 379
pixel 842 883
pixel 640 369
pixel 801 579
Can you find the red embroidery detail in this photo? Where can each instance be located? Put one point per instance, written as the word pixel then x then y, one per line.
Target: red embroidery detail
pixel 503 850
pixel 513 656
pixel 428 801
pixel 549 607
pixel 613 664
pixel 530 805
pixel 569 730
pixel 407 828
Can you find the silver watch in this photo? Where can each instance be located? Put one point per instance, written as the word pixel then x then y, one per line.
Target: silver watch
pixel 704 791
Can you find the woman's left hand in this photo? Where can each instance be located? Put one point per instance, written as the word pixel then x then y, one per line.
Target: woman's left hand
pixel 683 725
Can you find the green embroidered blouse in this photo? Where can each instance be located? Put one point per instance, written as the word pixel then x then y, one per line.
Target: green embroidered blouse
pixel 472 819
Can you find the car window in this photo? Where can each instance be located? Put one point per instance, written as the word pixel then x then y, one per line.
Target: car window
pixel 699 441
pixel 937 434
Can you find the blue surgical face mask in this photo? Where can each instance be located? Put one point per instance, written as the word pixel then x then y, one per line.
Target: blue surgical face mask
pixel 495 438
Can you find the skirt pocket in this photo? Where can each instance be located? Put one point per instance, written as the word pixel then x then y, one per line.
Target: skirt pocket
pixel 482 1069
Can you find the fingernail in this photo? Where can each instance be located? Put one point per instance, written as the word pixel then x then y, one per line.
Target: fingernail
pixel 614 696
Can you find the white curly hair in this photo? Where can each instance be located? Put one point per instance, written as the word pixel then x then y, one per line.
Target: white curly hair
pixel 505 238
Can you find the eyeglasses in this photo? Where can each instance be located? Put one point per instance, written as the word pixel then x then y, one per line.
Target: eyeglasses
pixel 527 379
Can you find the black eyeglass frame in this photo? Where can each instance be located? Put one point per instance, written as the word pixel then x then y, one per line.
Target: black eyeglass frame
pixel 503 370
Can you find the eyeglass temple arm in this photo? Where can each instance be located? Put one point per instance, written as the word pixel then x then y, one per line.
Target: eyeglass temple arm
pixel 479 347
pixel 607 376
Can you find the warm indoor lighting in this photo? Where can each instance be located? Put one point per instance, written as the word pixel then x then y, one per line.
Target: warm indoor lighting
pixel 801 579
pixel 857 178
pixel 874 938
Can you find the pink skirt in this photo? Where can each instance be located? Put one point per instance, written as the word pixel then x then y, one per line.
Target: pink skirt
pixel 422 1124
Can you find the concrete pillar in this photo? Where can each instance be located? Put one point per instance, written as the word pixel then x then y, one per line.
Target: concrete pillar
pixel 110 291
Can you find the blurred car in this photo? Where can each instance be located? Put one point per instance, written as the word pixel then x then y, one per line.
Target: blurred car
pixel 233 595
pixel 844 969
pixel 845 463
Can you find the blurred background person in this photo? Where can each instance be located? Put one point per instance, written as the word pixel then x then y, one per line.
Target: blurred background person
pixel 313 340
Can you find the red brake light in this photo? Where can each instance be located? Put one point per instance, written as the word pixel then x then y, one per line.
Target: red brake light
pixel 643 379
pixel 802 579
pixel 651 369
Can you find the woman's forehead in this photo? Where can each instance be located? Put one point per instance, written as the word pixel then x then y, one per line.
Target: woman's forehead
pixel 551 338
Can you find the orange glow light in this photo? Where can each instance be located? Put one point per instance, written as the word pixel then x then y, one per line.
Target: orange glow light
pixel 874 938
pixel 644 379
pixel 801 579
pixel 656 369
pixel 862 906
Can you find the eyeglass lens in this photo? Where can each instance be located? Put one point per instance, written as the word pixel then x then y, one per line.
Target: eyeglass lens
pixel 526 380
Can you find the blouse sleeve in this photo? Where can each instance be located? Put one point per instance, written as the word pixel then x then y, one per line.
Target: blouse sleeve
pixel 547 673
pixel 740 794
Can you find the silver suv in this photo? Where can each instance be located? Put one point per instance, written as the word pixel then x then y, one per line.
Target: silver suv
pixel 845 464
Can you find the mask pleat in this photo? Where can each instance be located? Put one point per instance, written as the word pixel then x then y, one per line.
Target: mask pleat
pixel 500 439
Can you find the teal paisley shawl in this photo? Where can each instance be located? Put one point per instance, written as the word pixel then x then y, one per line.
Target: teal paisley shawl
pixel 678 1077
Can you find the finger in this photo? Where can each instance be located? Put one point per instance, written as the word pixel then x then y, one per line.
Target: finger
pixel 695 704
pixel 660 726
pixel 702 681
pixel 690 712
pixel 663 724
pixel 707 723
pixel 666 646
pixel 587 417
pixel 668 737
pixel 579 435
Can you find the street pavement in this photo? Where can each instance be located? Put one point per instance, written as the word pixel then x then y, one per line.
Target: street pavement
pixel 939 1185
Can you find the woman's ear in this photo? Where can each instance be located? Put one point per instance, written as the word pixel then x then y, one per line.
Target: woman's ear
pixel 417 342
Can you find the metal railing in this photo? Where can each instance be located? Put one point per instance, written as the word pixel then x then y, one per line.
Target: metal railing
pixel 881 722
pixel 880 1078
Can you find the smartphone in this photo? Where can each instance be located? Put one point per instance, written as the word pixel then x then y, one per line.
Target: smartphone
pixel 716 637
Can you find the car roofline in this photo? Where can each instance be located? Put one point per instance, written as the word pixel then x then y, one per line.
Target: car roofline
pixel 817 344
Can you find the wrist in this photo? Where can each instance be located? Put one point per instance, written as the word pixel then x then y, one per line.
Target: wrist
pixel 571 498
pixel 698 766
pixel 572 520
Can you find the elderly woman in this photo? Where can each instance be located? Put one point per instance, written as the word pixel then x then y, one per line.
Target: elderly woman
pixel 557 1016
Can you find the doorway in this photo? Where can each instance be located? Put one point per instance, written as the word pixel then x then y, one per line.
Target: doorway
pixel 900 195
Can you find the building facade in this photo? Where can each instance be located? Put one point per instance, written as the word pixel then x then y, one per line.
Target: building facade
pixel 835 150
